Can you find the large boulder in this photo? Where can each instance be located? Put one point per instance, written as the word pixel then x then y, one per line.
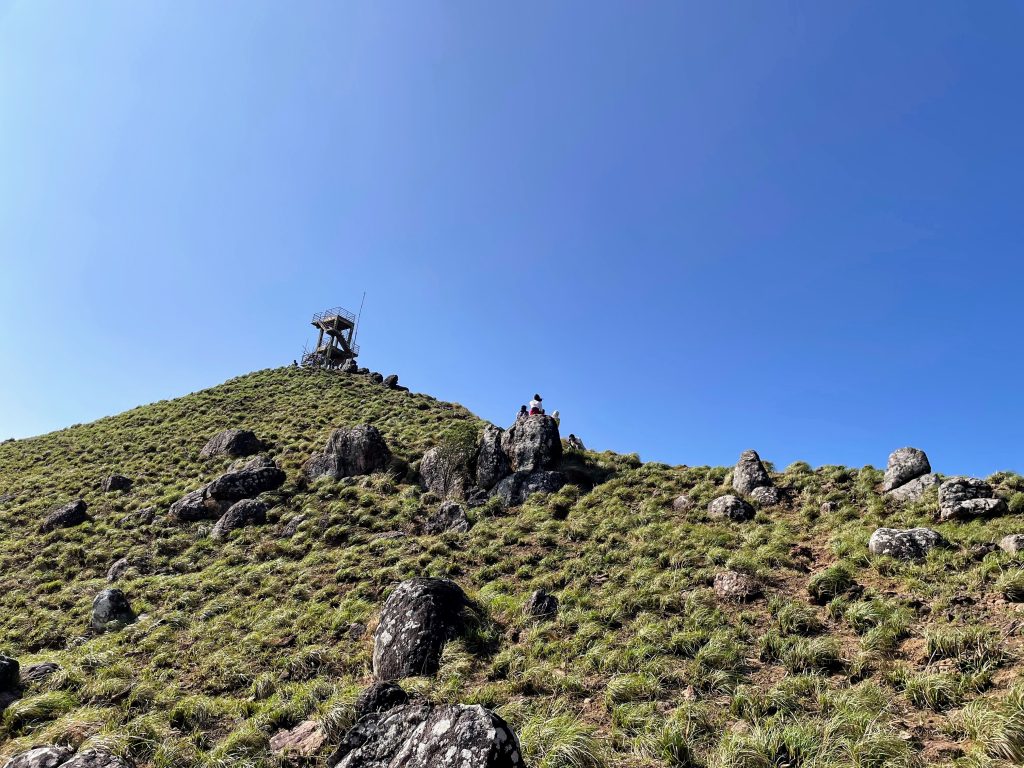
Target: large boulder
pixel 914 490
pixel 519 486
pixel 749 473
pixel 967 497
pixel 492 464
pixel 232 442
pixel 67 516
pixel 111 610
pixel 442 473
pixel 904 465
pixel 417 620
pixel 255 477
pixel 449 517
pixel 113 483
pixel 195 505
pixel 423 735
pixel 350 451
pixel 906 544
pixel 533 444
pixel 240 515
pixel 730 508
pixel 41 757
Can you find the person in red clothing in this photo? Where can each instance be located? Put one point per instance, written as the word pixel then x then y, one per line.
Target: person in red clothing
pixel 536 406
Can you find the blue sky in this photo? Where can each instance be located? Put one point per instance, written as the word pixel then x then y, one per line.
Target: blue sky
pixel 694 227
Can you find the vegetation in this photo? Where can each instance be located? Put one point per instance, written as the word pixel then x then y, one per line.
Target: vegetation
pixel 848 659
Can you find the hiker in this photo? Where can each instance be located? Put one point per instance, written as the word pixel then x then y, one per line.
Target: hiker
pixel 575 443
pixel 523 413
pixel 536 406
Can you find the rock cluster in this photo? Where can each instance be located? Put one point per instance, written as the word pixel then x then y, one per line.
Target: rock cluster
pixel 908 544
pixel 242 482
pixel 749 473
pixel 512 464
pixel 966 497
pixel 232 442
pixel 908 474
pixel 350 451
pixel 519 486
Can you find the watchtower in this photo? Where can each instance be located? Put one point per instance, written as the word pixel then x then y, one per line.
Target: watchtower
pixel 335 344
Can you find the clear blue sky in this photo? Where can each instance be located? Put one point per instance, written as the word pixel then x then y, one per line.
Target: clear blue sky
pixel 693 227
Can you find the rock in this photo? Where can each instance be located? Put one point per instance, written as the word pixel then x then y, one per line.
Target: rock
pixel 116 483
pixel 363 371
pixel 377 378
pixel 350 451
pixel 292 527
pixel 519 486
pixel 111 610
pixel 195 505
pixel 1013 543
pixel 257 476
pixel 915 489
pixel 380 697
pixel 682 503
pixel 418 618
pixel 304 740
pixel 96 758
pixel 10 674
pixel 533 444
pixel 967 497
pixel 65 517
pixel 767 496
pixel 749 473
pixel 391 382
pixel 423 735
pixel 118 569
pixel 733 585
pixel 441 474
pixel 40 757
pixel 232 442
pixel 908 544
pixel 904 465
pixel 449 517
pixel 350 366
pixel 730 508
pixel 239 515
pixel 36 673
pixel 541 605
pixel 492 464
pixel 828 507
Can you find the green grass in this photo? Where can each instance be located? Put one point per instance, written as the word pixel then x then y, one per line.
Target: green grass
pixel 643 666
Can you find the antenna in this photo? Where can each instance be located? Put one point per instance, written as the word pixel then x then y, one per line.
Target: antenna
pixel 355 334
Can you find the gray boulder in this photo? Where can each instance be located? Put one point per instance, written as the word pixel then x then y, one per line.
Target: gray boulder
pixel 1013 543
pixel 904 465
pixel 350 451
pixel 492 464
pixel 682 503
pixel 377 378
pixel 914 490
pixel 113 483
pixel 448 517
pixel 767 496
pixel 239 515
pixel 195 505
pixel 423 735
pixel 749 473
pixel 442 473
pixel 541 605
pixel 96 758
pixel 519 486
pixel 40 757
pixel 533 444
pixel 380 697
pixel 111 610
pixel 257 476
pixel 907 544
pixel 733 585
pixel 232 442
pixel 966 497
pixel 350 366
pixel 730 508
pixel 67 516
pixel 417 620
pixel 391 382
pixel 10 673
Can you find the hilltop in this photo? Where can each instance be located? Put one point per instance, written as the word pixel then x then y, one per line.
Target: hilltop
pixel 670 629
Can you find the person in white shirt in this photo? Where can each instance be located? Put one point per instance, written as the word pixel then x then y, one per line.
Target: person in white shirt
pixel 536 405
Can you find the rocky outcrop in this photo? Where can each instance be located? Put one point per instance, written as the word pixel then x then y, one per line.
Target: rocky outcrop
pixel 730 508
pixel 423 735
pixel 749 473
pixel 492 464
pixel 417 620
pixel 541 605
pixel 448 517
pixel 733 585
pixel 767 496
pixel 350 451
pixel 10 673
pixel 1013 543
pixel 519 486
pixel 111 610
pixel 907 544
pixel 113 483
pixel 533 444
pixel 67 516
pixel 904 465
pixel 915 489
pixel 380 697
pixel 962 498
pixel 442 473
pixel 232 442
pixel 257 476
pixel 240 515
pixel 41 757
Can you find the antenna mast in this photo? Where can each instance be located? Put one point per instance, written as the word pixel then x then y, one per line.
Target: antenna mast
pixel 355 334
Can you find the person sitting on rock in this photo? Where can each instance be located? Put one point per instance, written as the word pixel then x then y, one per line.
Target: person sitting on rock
pixel 575 443
pixel 523 413
pixel 536 406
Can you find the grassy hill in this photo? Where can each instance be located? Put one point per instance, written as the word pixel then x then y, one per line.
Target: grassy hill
pixel 845 660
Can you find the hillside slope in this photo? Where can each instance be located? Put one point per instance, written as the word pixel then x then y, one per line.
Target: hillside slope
pixel 842 659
